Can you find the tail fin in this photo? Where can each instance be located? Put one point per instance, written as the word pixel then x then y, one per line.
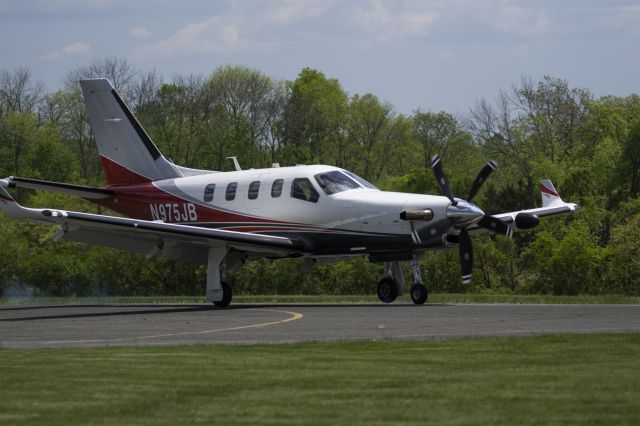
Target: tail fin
pixel 128 154
pixel 549 194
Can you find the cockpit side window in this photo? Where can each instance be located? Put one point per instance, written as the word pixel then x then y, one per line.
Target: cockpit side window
pixel 208 192
pixel 335 181
pixel 302 189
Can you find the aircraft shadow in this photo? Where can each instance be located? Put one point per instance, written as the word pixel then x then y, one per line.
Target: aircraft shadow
pixel 153 309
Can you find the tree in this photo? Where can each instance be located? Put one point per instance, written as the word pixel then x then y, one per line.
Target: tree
pixel 314 123
pixel 254 102
pixel 18 93
pixel 438 133
pixel 369 131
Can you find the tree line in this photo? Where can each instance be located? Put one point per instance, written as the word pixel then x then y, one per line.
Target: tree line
pixel 588 146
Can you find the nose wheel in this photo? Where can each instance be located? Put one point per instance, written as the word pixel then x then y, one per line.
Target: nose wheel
pixel 418 291
pixel 419 294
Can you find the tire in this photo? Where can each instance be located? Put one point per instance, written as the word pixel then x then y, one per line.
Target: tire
pixel 387 290
pixel 226 296
pixel 419 294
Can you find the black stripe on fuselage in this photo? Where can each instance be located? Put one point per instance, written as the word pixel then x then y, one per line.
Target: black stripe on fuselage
pixel 333 240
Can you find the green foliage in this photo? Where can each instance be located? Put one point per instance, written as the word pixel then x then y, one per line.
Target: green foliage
pixel 589 147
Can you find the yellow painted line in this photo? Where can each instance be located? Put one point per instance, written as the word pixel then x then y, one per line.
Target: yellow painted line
pixel 293 317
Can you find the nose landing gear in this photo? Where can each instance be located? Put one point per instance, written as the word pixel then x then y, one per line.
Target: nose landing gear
pixel 418 292
pixel 391 286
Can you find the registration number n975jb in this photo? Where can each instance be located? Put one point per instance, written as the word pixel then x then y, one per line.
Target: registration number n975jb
pixel 173 212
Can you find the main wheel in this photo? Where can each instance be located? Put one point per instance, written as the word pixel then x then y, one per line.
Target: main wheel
pixel 419 294
pixel 226 296
pixel 387 290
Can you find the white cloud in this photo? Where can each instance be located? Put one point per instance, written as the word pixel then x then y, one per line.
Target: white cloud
pixel 520 20
pixel 215 35
pixel 286 11
pixel 73 49
pixel 379 21
pixel 520 51
pixel 625 18
pixel 140 32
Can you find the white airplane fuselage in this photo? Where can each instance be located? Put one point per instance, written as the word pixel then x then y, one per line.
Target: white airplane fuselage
pixel 354 221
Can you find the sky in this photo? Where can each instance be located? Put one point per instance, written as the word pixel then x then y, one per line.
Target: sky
pixel 431 55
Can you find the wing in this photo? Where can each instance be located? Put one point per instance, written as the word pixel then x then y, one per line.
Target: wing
pixel 552 204
pixel 184 242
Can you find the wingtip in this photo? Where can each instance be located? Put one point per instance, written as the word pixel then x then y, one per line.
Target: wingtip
pixel 4 195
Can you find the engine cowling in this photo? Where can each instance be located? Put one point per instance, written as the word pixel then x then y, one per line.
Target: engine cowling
pixel 526 220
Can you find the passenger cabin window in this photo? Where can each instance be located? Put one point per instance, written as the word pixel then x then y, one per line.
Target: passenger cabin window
pixel 335 181
pixel 254 190
pixel 231 191
pixel 276 188
pixel 208 192
pixel 302 189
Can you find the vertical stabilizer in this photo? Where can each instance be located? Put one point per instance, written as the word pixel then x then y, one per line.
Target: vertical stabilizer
pixel 127 153
pixel 549 194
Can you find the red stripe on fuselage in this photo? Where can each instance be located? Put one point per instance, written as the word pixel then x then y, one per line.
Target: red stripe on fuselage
pixel 117 174
pixel 146 201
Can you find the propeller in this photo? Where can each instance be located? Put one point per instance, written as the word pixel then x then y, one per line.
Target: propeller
pixel 466 255
pixel 467 214
pixel 441 179
pixel 483 174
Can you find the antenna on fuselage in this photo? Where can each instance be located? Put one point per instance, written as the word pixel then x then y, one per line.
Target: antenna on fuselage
pixel 235 163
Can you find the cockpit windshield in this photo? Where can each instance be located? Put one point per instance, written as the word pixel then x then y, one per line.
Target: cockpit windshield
pixel 361 181
pixel 339 181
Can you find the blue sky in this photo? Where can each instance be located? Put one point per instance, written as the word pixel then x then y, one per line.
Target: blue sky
pixel 430 54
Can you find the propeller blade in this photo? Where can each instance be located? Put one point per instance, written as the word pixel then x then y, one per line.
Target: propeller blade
pixel 483 174
pixel 443 183
pixel 466 256
pixel 495 225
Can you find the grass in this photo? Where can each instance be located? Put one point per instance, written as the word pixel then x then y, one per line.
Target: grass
pixel 338 299
pixel 572 379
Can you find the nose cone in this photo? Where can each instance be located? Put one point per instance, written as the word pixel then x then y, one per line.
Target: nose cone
pixel 464 212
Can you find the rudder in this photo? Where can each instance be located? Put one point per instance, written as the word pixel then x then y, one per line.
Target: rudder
pixel 127 153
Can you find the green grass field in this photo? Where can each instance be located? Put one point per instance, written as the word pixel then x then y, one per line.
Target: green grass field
pixel 339 299
pixel 573 379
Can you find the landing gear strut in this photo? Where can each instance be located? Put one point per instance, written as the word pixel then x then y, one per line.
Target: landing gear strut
pixel 418 292
pixel 218 291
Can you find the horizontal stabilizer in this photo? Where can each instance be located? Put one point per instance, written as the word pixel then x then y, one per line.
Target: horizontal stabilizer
pixel 82 191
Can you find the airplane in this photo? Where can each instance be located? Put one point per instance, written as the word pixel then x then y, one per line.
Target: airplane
pixel 318 213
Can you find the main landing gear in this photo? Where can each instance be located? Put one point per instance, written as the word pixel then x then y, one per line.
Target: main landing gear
pixel 218 291
pixel 391 286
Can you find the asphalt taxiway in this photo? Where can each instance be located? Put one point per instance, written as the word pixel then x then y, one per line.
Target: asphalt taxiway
pixel 54 326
